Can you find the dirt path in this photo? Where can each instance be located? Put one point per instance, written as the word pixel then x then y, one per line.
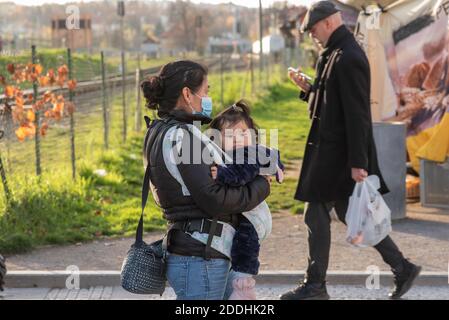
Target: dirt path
pixel 423 237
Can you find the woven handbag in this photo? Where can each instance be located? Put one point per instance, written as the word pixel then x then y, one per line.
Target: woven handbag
pixel 143 270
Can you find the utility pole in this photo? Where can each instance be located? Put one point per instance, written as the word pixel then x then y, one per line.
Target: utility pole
pixel 198 26
pixel 138 113
pixel 260 44
pixel 121 13
pixel 237 30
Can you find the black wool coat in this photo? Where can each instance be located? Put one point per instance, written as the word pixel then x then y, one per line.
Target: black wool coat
pixel 341 134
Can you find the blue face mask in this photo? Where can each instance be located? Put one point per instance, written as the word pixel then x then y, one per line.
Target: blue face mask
pixel 206 106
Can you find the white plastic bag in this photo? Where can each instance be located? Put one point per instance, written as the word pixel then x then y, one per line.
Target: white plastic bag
pixel 368 217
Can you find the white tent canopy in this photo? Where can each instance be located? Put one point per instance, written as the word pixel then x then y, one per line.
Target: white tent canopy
pixel 272 43
pixel 360 4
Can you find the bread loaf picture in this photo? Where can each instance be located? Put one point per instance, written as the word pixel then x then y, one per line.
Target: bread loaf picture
pixel 417 74
pixel 418 65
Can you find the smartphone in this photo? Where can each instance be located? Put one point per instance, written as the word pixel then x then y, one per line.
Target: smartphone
pixel 300 73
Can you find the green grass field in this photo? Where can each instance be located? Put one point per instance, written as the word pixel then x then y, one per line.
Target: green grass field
pixel 54 209
pixel 85 66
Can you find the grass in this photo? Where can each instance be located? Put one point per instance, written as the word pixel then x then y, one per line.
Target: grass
pixel 54 209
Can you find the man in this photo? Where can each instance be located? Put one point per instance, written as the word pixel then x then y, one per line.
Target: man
pixel 340 148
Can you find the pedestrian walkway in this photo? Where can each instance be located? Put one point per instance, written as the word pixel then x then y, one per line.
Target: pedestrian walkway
pixel 423 237
pixel 264 292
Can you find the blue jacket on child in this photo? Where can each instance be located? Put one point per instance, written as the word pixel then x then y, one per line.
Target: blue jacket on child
pixel 247 164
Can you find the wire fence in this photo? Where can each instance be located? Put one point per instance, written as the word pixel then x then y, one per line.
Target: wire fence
pixel 109 104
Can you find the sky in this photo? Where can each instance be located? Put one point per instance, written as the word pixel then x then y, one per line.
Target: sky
pixel 248 3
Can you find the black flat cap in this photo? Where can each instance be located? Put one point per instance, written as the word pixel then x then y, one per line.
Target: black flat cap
pixel 318 11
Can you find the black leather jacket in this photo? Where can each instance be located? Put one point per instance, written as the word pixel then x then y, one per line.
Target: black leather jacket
pixel 207 199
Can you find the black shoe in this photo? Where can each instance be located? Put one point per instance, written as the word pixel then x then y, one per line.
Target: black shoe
pixel 307 291
pixel 404 276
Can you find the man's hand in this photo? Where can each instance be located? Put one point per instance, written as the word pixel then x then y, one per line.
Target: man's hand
pixel 299 80
pixel 358 174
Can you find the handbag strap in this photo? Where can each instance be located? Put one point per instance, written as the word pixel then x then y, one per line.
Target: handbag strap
pixel 146 190
pixel 146 179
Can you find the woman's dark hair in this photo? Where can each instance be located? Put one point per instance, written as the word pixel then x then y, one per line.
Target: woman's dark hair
pixel 240 111
pixel 163 91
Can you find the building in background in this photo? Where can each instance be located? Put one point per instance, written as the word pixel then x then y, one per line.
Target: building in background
pixel 228 43
pixel 151 46
pixel 270 44
pixel 74 39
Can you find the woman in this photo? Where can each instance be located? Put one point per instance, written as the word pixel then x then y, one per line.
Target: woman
pixel 191 200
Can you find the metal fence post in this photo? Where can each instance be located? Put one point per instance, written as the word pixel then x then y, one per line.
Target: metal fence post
pixel 221 80
pixel 37 117
pixel 138 114
pixel 72 117
pixel 4 180
pixel 105 104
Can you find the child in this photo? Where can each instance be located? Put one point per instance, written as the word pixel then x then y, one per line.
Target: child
pixel 238 139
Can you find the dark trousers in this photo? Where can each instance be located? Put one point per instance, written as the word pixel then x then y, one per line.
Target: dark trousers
pixel 317 220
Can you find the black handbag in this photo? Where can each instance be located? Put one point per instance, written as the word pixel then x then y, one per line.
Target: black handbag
pixel 143 270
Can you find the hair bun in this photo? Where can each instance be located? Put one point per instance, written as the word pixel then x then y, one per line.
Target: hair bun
pixel 153 90
pixel 244 106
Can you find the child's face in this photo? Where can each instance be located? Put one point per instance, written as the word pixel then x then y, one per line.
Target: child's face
pixel 236 136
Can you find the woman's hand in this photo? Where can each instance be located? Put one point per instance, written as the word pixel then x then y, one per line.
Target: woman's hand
pixel 280 175
pixel 213 172
pixel 269 179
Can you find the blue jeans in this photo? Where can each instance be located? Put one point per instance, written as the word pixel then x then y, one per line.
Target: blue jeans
pixel 194 278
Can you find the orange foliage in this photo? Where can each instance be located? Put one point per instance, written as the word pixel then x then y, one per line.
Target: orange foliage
pixel 51 105
pixel 71 84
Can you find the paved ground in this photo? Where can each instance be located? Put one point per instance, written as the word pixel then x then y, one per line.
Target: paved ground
pixel 264 292
pixel 423 237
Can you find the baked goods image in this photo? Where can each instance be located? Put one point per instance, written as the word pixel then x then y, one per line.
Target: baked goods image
pixel 432 49
pixel 419 109
pixel 437 75
pixel 417 74
pixel 429 114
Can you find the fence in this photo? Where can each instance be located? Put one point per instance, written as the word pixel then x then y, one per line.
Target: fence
pixel 109 104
